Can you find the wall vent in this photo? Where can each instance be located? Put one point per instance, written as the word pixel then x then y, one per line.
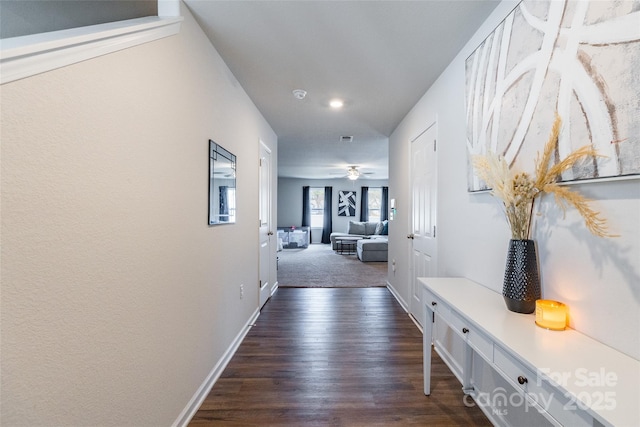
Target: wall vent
pixel 346 139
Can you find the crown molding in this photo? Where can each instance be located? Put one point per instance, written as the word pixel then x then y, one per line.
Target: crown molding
pixel 26 56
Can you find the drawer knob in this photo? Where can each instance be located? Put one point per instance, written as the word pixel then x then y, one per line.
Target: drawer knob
pixel 522 380
pixel 465 330
pixel 433 303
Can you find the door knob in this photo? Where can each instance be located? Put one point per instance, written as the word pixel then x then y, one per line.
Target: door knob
pixel 270 233
pixel 410 236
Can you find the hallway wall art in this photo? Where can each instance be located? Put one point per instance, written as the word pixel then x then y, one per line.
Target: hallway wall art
pixel 579 58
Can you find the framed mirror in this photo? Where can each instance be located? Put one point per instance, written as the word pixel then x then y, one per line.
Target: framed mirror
pixel 222 185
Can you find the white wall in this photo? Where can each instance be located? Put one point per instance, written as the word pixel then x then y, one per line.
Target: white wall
pixel 598 278
pixel 117 298
pixel 290 199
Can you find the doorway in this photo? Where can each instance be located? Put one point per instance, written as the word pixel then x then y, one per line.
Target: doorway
pixel 423 247
pixel 266 225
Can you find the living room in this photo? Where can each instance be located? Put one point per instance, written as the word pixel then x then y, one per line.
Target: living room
pixel 304 259
pixel 290 203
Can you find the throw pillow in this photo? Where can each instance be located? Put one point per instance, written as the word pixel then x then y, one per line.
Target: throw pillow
pixel 385 227
pixel 379 228
pixel 370 228
pixel 356 228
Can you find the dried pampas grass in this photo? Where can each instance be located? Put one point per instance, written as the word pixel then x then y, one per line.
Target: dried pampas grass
pixel 518 191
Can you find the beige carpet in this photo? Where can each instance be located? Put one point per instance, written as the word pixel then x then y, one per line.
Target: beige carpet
pixel 320 267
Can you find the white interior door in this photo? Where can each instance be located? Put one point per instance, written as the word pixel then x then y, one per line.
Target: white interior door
pixel 423 244
pixel 266 229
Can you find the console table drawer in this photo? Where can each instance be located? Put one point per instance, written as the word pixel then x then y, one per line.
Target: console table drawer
pixel 555 405
pixel 432 301
pixel 524 380
pixel 476 339
pixel 515 372
pixel 481 343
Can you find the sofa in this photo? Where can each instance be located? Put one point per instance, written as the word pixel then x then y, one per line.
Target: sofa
pixel 373 249
pixel 374 243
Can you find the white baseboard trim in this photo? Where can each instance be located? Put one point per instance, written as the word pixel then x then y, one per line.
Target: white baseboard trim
pixel 275 288
pixel 196 401
pixel 403 304
pixel 415 322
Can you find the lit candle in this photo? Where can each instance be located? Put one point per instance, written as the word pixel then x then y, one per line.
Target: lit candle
pixel 551 314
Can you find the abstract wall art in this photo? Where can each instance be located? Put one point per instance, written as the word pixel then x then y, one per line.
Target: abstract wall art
pixel 578 58
pixel 347 203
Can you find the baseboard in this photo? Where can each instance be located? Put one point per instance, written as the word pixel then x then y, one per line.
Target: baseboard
pixel 275 288
pixel 403 304
pixel 415 322
pixel 196 401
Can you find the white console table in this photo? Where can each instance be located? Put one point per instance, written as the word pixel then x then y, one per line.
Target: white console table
pixel 570 378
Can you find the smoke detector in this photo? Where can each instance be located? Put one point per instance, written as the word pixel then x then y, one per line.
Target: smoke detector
pixel 299 93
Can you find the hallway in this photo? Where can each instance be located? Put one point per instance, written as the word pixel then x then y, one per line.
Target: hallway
pixel 334 357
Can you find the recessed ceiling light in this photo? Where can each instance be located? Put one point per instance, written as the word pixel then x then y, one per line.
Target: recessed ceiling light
pixel 336 103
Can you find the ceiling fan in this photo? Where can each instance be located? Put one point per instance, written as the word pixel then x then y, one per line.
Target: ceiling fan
pixel 353 173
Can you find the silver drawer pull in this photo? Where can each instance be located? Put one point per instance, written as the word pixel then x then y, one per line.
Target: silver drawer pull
pixel 522 380
pixel 465 330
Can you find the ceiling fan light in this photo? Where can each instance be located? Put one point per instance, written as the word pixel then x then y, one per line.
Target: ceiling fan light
pixel 353 173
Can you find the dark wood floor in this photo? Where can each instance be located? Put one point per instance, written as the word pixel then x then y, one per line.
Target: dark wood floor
pixel 334 357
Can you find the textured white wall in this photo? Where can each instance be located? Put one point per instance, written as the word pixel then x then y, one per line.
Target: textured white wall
pixel 117 298
pixel 598 278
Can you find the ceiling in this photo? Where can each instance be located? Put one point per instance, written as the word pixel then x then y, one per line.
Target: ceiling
pixel 379 57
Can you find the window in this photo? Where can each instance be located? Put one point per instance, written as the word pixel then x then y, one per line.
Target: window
pixel 375 203
pixel 317 206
